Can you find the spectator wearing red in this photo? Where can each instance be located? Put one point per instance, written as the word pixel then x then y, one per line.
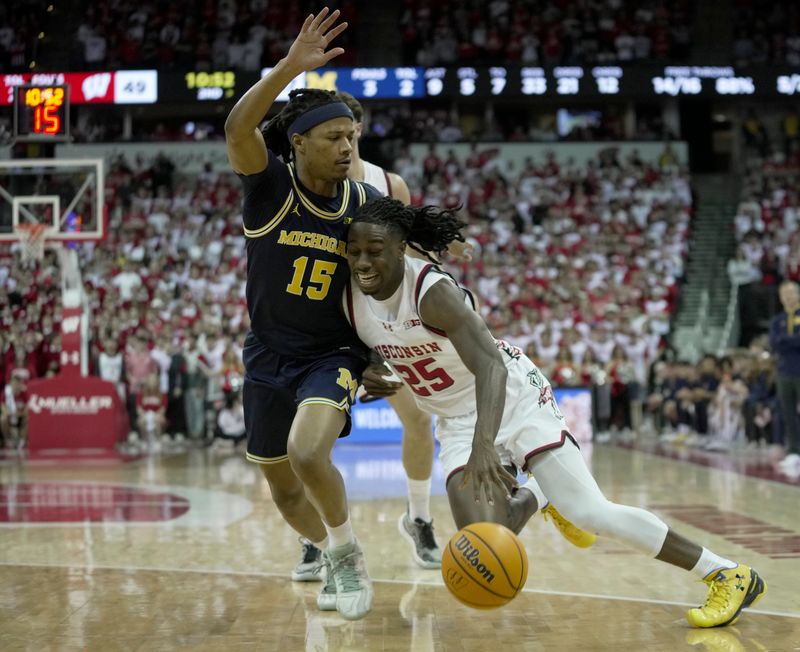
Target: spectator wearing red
pixel 151 407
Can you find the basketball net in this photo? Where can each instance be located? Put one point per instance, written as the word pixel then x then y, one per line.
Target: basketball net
pixel 32 238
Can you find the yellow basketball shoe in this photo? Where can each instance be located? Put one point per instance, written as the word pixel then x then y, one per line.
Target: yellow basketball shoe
pixel 572 533
pixel 729 591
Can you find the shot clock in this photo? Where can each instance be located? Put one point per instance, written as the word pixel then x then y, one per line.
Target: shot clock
pixel 41 113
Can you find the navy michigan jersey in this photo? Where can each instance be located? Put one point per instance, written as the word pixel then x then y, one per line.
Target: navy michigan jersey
pixel 296 261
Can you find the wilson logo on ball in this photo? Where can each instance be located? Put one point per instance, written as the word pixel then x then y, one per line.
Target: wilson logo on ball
pixel 472 556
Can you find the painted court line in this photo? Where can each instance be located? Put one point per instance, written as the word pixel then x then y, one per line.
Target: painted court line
pixel 215 571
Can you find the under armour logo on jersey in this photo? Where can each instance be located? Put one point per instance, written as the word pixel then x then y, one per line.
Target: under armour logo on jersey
pixel 387 327
pixel 296 210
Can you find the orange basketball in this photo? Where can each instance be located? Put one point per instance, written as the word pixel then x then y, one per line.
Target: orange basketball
pixel 484 565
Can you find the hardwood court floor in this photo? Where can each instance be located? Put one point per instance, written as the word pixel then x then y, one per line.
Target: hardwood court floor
pixel 186 551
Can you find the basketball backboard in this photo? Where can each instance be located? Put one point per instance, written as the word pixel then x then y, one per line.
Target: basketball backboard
pixel 65 194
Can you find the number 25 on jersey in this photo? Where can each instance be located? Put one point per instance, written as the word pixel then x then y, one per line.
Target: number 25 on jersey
pixel 422 379
pixel 319 281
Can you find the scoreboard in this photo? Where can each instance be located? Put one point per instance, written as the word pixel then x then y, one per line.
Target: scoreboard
pixel 605 81
pixel 630 82
pixel 363 83
pixel 41 113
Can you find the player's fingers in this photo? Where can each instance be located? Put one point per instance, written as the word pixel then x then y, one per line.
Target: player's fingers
pixel 508 479
pixel 504 482
pixel 307 22
pixel 330 20
pixel 318 19
pixel 332 54
pixel 488 490
pixel 335 32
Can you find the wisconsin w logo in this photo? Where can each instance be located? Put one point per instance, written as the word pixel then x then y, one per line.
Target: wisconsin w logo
pixel 70 324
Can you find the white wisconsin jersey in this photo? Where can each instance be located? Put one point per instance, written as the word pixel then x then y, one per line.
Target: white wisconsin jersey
pixel 377 178
pixel 421 355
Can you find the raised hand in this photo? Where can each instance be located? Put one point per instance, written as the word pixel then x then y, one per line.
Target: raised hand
pixel 309 48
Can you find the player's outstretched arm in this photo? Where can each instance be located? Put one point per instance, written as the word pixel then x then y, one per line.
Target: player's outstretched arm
pixel 246 148
pixel 443 307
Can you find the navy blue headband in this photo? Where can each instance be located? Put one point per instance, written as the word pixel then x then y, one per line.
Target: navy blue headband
pixel 318 115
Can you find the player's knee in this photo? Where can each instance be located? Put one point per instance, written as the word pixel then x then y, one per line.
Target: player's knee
pixel 306 459
pixel 590 515
pixel 417 426
pixel 288 501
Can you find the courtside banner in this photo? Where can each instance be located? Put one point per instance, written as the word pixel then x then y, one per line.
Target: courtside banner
pixel 68 412
pixel 376 422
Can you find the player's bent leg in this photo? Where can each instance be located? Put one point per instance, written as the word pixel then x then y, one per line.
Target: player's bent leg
pixel 416 524
pixel 418 445
pixel 315 429
pixel 569 484
pixel 293 504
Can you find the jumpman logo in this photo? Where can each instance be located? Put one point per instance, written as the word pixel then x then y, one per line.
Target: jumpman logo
pixel 296 210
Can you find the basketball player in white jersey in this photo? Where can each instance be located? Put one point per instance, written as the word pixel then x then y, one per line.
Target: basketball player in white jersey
pixel 416 524
pixel 494 406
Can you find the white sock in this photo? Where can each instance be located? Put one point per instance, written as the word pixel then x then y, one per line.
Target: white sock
pixel 536 490
pixel 340 535
pixel 710 563
pixel 321 544
pixel 419 499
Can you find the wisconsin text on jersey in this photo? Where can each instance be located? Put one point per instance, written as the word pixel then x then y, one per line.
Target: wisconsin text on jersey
pixel 391 352
pixel 314 241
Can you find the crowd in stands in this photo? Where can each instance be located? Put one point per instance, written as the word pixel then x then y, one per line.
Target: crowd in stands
pixel 767 220
pixel 166 292
pixel 198 35
pixel 544 32
pixel 718 403
pixel 766 33
pixel 21 23
pixel 578 264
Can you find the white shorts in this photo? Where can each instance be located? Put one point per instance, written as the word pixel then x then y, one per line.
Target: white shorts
pixel 532 422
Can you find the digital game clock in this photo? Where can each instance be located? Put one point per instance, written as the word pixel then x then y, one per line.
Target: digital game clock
pixel 41 113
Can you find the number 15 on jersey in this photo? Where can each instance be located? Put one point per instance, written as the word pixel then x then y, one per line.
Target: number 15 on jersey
pixel 319 281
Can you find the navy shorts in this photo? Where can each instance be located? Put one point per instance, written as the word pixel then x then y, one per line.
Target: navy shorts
pixel 276 385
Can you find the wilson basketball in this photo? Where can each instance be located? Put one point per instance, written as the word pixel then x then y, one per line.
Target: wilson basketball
pixel 484 565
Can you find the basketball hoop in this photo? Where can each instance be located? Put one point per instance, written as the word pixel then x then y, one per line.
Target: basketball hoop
pixel 32 238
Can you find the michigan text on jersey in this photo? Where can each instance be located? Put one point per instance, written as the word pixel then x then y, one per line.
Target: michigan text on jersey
pixel 314 241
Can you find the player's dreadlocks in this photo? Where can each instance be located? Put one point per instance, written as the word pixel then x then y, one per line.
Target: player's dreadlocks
pixel 300 101
pixel 428 230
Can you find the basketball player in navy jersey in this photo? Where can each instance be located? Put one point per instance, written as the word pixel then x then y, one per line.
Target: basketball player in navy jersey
pixel 303 362
pixel 494 406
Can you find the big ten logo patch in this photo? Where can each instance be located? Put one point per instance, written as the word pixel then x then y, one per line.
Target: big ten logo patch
pixel 347 381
